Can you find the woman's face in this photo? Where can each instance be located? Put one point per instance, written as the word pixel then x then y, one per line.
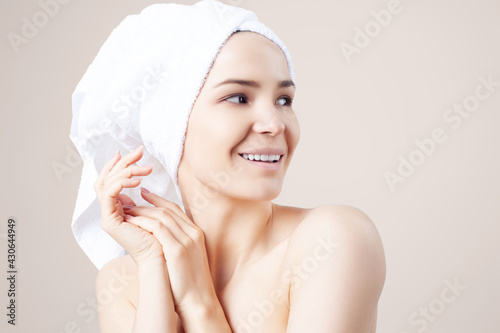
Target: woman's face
pixel 243 108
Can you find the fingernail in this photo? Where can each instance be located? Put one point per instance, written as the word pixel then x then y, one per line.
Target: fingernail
pixel 144 190
pixel 127 206
pixel 148 166
pixel 117 153
pixel 138 148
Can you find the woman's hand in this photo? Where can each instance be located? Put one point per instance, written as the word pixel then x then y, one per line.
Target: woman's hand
pixel 184 248
pixel 160 236
pixel 116 175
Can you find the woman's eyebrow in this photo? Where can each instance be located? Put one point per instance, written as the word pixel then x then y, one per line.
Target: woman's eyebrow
pixel 254 84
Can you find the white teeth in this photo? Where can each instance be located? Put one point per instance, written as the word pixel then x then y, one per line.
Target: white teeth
pixel 261 157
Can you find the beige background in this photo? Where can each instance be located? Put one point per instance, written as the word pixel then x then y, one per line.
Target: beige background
pixel 356 118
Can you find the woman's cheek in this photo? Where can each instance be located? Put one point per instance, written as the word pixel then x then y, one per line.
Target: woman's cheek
pixel 292 130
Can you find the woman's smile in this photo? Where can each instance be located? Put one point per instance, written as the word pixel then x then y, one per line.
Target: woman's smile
pixel 268 162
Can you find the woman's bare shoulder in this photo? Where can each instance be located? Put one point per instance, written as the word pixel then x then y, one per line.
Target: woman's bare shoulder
pixel 335 255
pixel 331 226
pixel 334 218
pixel 119 277
pixel 330 216
pixel 115 286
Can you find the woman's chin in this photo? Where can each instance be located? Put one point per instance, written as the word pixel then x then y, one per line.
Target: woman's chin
pixel 263 193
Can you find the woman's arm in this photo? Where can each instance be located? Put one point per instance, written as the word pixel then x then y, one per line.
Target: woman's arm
pixel 339 272
pixel 117 313
pixel 189 276
pixel 155 309
pixel 208 318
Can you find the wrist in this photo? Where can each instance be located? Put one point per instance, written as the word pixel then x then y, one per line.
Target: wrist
pixel 151 267
pixel 204 316
pixel 151 263
pixel 193 308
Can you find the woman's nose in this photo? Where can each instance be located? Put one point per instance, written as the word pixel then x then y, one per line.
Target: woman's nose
pixel 269 120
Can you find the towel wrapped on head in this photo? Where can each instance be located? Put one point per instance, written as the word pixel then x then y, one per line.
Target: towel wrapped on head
pixel 140 89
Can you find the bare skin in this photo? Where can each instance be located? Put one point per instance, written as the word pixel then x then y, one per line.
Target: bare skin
pixel 235 261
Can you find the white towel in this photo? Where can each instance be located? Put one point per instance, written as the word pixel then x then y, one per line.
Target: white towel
pixel 140 89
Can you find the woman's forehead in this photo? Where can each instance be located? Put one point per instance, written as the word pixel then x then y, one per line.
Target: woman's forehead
pixel 246 55
pixel 245 42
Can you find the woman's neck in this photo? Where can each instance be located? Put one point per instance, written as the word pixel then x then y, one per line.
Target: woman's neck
pixel 237 232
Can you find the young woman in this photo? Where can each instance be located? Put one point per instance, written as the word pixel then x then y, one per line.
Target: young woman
pixel 235 261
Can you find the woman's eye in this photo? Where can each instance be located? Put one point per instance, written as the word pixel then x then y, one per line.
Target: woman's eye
pixel 238 99
pixel 242 99
pixel 284 101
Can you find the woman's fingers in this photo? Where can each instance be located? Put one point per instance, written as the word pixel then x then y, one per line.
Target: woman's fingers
pixel 125 200
pixel 129 172
pixel 158 201
pixel 169 220
pixel 116 164
pixel 162 234
pixel 116 175
pixel 128 159
pixel 188 226
pixel 104 172
pixel 123 180
pixel 110 194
